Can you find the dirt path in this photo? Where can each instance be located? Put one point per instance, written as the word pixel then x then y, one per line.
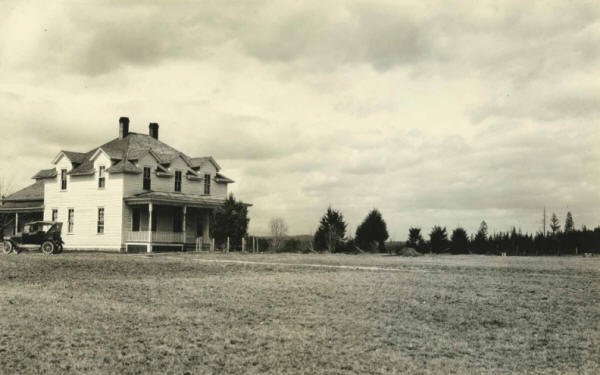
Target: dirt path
pixel 282 264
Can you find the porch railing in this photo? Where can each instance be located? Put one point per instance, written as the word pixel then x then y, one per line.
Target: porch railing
pixel 158 237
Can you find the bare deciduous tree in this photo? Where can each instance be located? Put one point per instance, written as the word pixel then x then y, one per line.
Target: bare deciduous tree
pixel 6 188
pixel 279 230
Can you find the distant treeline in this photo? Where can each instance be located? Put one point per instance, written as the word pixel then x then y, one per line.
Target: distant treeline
pixel 514 242
pixel 231 221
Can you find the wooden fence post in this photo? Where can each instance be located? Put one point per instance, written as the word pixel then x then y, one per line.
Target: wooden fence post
pixel 243 244
pixel 227 244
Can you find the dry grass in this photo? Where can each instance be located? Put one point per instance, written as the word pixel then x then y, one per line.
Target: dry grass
pixel 104 313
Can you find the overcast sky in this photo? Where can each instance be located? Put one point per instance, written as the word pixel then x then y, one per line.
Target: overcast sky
pixel 435 114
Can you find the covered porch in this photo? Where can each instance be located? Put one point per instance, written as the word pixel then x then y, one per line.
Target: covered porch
pixel 20 208
pixel 160 221
pixel 13 219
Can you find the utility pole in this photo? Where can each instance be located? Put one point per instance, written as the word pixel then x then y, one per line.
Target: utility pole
pixel 544 231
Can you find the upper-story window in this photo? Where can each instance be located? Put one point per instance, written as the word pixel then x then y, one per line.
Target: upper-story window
pixel 147 180
pixel 101 177
pixel 178 181
pixel 206 184
pixel 63 179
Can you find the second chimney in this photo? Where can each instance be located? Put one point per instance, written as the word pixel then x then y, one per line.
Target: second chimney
pixel 153 130
pixel 123 127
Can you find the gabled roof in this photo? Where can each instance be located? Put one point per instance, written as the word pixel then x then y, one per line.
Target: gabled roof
pixel 74 157
pixel 34 192
pixel 132 147
pixel 199 162
pixel 124 166
pixel 45 173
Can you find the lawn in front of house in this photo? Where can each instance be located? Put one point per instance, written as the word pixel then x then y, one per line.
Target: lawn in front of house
pixel 278 313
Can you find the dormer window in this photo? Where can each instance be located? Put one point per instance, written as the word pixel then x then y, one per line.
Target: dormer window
pixel 206 184
pixel 147 183
pixel 63 179
pixel 178 181
pixel 101 177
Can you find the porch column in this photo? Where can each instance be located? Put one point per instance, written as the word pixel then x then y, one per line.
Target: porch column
pixel 149 248
pixel 16 223
pixel 184 221
pixel 206 227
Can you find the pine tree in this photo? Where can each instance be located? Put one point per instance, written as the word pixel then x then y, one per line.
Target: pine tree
pixel 438 239
pixel 230 220
pixel 481 238
pixel 414 237
pixel 331 231
pixel 373 230
pixel 569 225
pixel 459 241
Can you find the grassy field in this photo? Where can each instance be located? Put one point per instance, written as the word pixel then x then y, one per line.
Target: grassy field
pixel 212 313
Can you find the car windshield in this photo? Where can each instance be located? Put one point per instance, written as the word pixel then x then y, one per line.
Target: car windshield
pixel 54 228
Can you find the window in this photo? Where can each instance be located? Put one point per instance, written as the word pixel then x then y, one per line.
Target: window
pixel 63 179
pixel 101 220
pixel 101 177
pixel 54 214
pixel 178 181
pixel 147 181
pixel 206 184
pixel 135 220
pixel 70 221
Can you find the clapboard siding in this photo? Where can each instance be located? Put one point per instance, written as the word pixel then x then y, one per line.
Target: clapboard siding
pixel 134 183
pixel 84 196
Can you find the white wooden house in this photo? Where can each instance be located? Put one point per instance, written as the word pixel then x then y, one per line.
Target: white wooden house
pixel 130 193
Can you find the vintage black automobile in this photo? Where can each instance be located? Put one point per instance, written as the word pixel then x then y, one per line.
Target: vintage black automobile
pixel 43 235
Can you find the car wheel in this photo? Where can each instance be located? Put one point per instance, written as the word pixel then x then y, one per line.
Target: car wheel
pixel 8 247
pixel 59 249
pixel 48 247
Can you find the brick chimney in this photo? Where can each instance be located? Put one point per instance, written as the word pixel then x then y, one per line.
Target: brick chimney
pixel 153 127
pixel 123 127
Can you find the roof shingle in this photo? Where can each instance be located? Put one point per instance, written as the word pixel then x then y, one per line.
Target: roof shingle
pixel 45 173
pixel 34 192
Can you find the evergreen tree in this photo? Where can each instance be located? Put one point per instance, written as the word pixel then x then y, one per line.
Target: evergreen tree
pixel 331 231
pixel 569 225
pixel 230 220
pixel 438 239
pixel 414 237
pixel 481 238
pixel 372 231
pixel 459 241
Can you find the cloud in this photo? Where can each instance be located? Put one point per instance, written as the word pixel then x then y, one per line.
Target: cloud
pixel 445 114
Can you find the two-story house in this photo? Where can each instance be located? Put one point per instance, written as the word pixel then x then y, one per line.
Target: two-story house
pixel 132 192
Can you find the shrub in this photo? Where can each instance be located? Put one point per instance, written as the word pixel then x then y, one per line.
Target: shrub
pixel 408 252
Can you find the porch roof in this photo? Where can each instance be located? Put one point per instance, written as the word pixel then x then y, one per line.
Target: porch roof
pixel 29 199
pixel 21 207
pixel 175 199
